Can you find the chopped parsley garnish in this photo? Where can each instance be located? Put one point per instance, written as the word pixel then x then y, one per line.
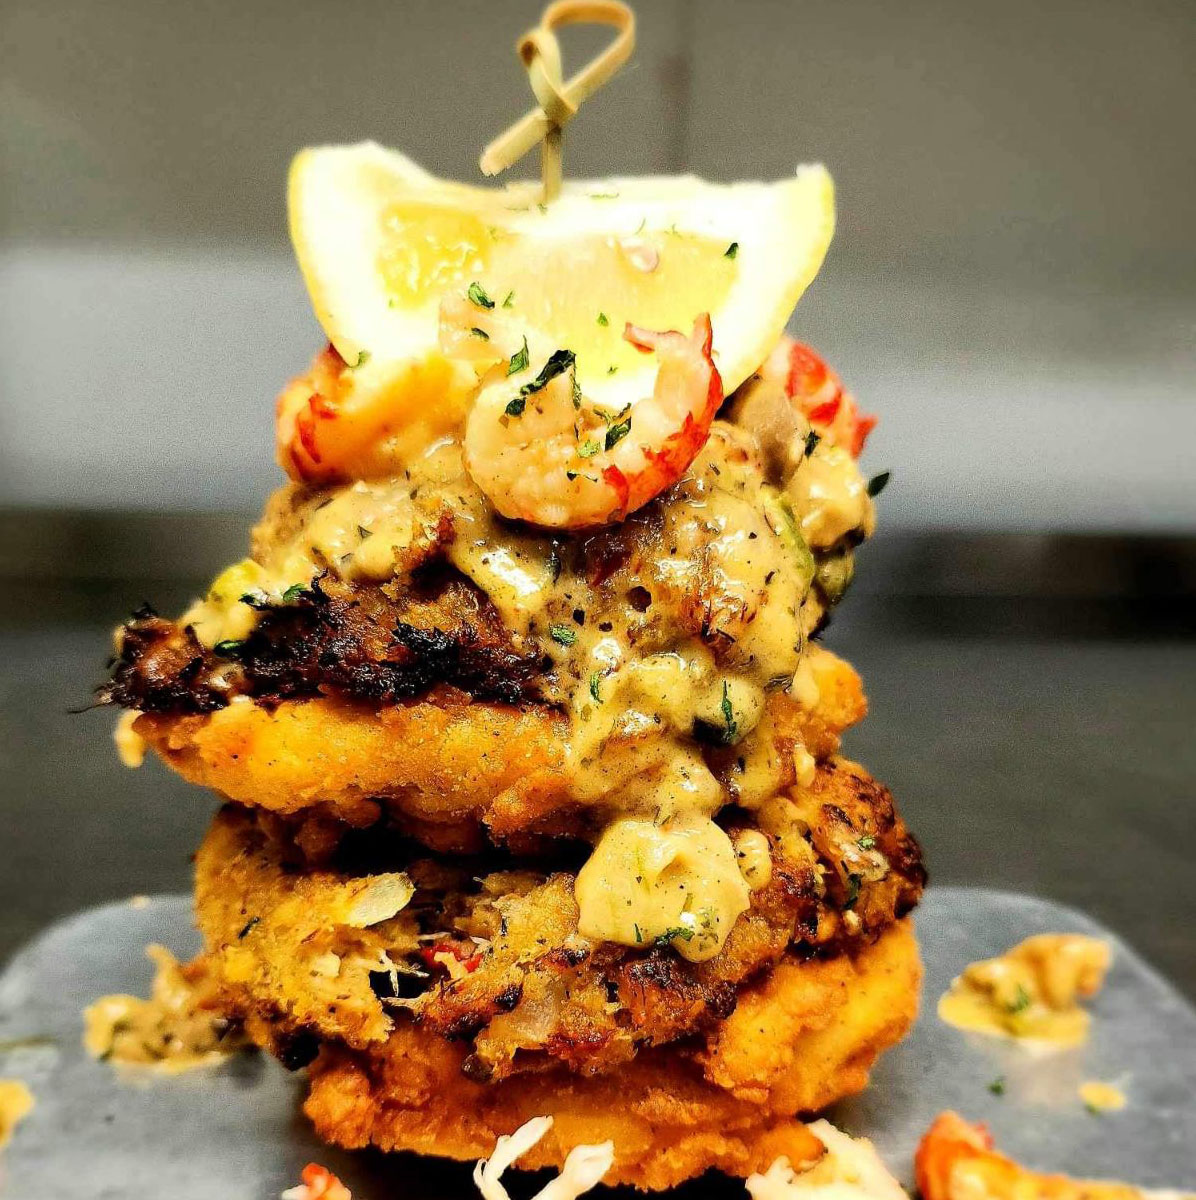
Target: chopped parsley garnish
pixel 639 937
pixel 731 251
pixel 730 728
pixel 603 319
pixel 589 448
pixel 518 360
pixel 812 440
pixel 997 1087
pixel 563 635
pixel 1094 1110
pixel 363 357
pixel 477 294
pixel 616 433
pixel 1021 1001
pixel 363 532
pixel 684 932
pixel 515 407
pixel 480 333
pixel 596 686
pixel 866 842
pixel 229 648
pixel 878 483
pixel 296 592
pixel 559 361
pixel 508 299
pixel 853 890
pixel 611 369
pixel 248 927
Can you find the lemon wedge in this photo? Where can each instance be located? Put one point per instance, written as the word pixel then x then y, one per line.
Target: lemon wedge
pixel 381 243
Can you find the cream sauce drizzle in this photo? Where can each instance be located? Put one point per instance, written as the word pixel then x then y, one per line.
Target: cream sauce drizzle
pixel 1032 992
pixel 707 612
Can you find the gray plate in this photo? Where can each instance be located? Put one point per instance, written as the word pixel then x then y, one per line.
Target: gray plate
pixel 234 1131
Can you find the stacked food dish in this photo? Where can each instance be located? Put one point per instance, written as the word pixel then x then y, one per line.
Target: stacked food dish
pixel 528 744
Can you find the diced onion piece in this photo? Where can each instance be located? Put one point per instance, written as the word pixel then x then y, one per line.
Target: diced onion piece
pixel 382 897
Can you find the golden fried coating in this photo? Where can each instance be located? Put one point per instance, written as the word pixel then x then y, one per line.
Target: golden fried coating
pixel 493 958
pixel 669 1112
pixel 443 769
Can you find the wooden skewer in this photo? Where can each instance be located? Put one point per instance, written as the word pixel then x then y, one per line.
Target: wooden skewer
pixel 557 102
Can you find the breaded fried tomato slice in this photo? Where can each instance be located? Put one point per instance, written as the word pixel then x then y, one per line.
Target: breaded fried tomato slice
pixel 452 771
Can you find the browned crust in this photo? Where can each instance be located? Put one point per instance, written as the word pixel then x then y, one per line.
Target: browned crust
pixel 671 1115
pixel 443 768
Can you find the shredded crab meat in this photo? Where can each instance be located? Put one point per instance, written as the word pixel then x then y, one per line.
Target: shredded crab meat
pixel 849 1170
pixel 584 1166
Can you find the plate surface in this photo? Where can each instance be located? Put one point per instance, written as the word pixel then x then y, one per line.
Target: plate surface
pixel 234 1131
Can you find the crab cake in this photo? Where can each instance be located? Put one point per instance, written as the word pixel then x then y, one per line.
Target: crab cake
pixel 477 974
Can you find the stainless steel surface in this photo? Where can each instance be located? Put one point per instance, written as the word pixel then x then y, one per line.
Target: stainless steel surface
pixel 233 1131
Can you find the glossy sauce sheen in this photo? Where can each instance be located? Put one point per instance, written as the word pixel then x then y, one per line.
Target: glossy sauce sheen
pixel 676 651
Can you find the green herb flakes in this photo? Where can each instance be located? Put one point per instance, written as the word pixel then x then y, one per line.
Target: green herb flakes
pixel 616 433
pixel 508 299
pixel 480 333
pixel 477 294
pixel 603 319
pixel 997 1087
pixel 878 483
pixel 563 635
pixel 731 251
pixel 518 360
pixel 730 727
pixel 853 890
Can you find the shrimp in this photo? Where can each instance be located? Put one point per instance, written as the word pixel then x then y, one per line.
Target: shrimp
pixel 544 453
pixel 819 394
pixel 344 421
pixel 319 1183
pixel 956 1161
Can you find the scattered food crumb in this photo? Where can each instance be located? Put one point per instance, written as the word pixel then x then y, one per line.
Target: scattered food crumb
pixel 1101 1097
pixel 130 745
pixel 997 1087
pixel 16 1103
pixel 172 1031
pixel 319 1183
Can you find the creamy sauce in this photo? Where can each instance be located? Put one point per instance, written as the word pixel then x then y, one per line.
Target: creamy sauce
pixel 1102 1097
pixel 16 1103
pixel 170 1032
pixel 674 650
pixel 1032 992
pixel 679 883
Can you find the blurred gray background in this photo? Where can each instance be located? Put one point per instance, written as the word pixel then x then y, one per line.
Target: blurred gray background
pixel 1012 287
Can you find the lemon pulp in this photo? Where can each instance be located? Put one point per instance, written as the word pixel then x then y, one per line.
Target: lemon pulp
pixel 580 291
